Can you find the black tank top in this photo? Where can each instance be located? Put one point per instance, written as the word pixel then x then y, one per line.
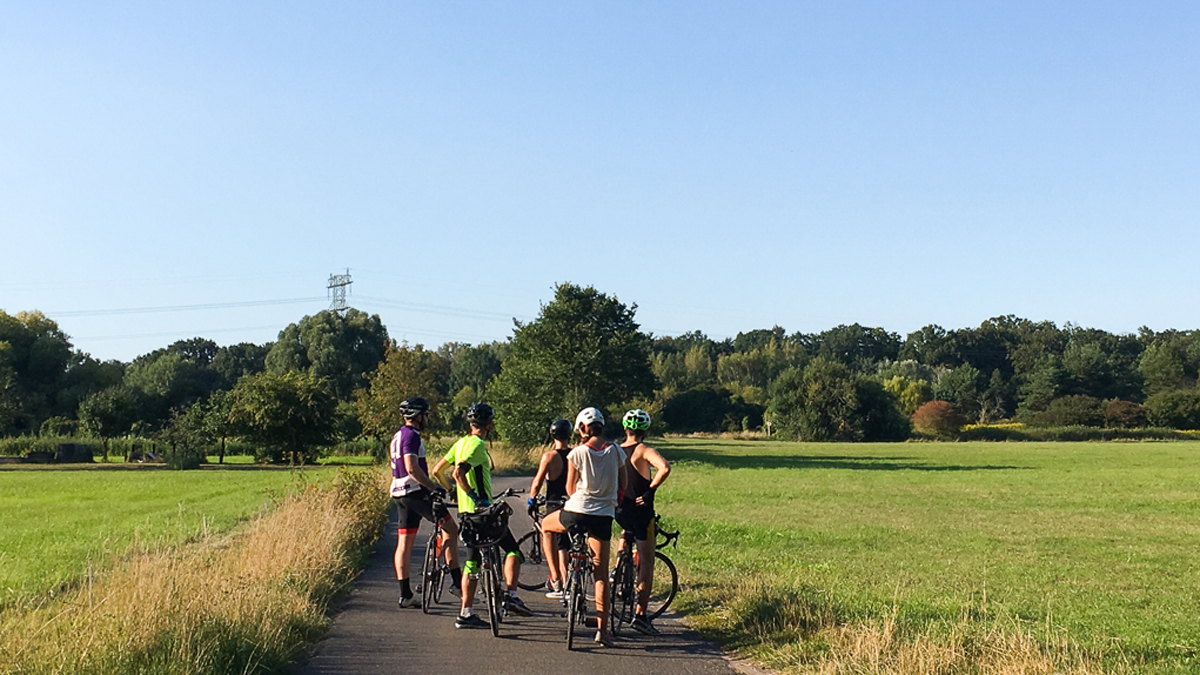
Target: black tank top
pixel 556 489
pixel 639 485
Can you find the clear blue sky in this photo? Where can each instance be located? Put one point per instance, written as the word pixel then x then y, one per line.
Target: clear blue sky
pixel 726 166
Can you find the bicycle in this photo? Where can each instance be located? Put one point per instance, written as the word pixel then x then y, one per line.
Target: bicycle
pixel 435 569
pixel 482 531
pixel 579 573
pixel 530 545
pixel 664 585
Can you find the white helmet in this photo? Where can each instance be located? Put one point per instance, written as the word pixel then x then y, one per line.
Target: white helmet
pixel 587 416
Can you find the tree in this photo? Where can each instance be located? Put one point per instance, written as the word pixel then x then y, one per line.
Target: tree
pixel 857 347
pixel 110 413
pixel 342 348
pixel 960 386
pixel 168 381
pixel 34 355
pixel 937 418
pixel 931 346
pixel 1174 408
pixel 286 414
pixel 1072 410
pixel 584 349
pixel 1120 414
pixel 234 361
pixel 909 394
pixel 815 404
pixel 405 372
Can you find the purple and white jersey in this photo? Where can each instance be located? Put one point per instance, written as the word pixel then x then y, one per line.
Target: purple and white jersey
pixel 407 441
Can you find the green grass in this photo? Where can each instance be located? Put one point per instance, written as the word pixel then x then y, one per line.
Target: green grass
pixel 1097 541
pixel 57 523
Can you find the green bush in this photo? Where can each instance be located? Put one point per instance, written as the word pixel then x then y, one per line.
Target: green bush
pixel 1077 433
pixel 1176 408
pixel 1071 411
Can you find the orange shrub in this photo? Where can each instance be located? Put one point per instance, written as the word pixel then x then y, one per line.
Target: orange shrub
pixel 937 418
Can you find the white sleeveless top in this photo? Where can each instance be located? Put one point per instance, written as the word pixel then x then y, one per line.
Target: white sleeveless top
pixel 599 479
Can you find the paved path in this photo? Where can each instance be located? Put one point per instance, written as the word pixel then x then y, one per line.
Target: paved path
pixel 370 634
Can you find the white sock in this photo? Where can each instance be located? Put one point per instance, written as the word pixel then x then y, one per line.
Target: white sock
pixel 466 612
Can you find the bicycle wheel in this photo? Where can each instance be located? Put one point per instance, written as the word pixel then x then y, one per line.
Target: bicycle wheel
pixel 431 574
pixel 490 588
pixel 623 592
pixel 664 586
pixel 443 573
pixel 575 602
pixel 534 570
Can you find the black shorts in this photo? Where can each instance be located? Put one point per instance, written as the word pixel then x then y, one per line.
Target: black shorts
pixel 597 527
pixel 638 520
pixel 414 506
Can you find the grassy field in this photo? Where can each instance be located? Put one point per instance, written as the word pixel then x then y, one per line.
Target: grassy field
pixel 56 524
pixel 1086 552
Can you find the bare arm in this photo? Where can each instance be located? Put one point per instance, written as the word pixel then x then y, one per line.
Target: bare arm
pixel 437 471
pixel 623 477
pixel 543 467
pixel 572 478
pixel 662 470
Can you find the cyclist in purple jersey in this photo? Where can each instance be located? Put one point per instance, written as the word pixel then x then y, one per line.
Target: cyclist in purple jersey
pixel 412 490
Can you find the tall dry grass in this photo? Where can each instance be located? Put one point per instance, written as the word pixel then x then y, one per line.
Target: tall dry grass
pixel 801 630
pixel 249 602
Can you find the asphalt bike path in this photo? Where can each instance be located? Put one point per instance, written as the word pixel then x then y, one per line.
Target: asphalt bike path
pixel 371 634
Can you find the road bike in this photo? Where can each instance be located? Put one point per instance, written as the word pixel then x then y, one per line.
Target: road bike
pixel 482 531
pixel 579 575
pixel 535 571
pixel 623 580
pixel 435 570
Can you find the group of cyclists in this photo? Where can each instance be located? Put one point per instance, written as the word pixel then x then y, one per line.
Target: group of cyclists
pixel 587 488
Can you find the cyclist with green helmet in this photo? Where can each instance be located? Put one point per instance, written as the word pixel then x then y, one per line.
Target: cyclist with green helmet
pixel 647 471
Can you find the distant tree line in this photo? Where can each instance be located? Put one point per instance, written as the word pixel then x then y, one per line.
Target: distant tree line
pixel 338 376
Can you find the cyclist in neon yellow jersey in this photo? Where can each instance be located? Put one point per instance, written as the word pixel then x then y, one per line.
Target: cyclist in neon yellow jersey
pixel 473 475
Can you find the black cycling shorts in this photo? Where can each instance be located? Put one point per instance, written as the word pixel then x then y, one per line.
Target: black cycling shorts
pixel 638 520
pixel 597 527
pixel 414 506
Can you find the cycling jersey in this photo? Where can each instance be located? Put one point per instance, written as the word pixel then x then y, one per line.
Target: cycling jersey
pixel 472 452
pixel 407 441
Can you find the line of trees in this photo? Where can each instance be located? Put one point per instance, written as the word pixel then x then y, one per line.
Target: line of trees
pixel 337 376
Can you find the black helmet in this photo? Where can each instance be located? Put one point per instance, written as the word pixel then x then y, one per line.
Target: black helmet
pixel 480 414
pixel 560 429
pixel 411 407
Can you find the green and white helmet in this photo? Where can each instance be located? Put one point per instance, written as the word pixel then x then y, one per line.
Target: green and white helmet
pixel 636 419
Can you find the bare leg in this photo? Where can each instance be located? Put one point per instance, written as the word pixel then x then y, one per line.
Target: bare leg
pixel 404 547
pixel 600 552
pixel 645 574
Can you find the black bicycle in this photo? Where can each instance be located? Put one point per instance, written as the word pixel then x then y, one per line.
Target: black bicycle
pixel 482 531
pixel 579 575
pixel 436 569
pixel 535 566
pixel 623 580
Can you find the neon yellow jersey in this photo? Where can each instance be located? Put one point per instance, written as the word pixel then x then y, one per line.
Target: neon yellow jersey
pixel 472 451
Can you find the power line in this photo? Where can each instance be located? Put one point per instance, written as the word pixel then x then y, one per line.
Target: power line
pixel 437 309
pixel 183 308
pixel 201 332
